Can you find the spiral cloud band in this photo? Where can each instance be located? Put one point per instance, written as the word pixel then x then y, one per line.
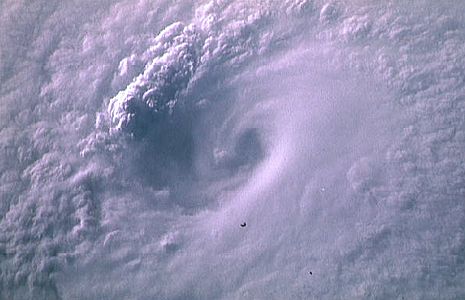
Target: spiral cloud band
pixel 298 149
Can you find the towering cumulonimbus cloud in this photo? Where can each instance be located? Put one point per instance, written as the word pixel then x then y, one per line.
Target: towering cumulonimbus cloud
pixel 171 62
pixel 174 58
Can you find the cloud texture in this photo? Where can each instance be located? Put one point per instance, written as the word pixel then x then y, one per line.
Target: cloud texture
pixel 135 137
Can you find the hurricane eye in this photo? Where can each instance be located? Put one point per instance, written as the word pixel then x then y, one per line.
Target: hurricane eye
pixel 248 148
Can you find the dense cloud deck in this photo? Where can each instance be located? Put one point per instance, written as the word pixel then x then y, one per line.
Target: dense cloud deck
pixel 232 149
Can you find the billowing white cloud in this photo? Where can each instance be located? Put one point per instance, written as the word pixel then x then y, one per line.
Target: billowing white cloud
pixel 154 92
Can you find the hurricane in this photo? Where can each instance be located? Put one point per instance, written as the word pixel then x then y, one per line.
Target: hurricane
pixel 232 149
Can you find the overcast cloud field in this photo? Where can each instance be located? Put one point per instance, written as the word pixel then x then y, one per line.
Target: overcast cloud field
pixel 136 136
